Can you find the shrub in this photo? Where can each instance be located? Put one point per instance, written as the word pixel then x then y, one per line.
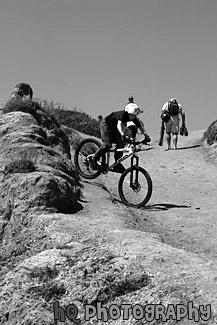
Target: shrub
pixel 20 166
pixel 51 115
pixel 75 119
pixel 16 105
pixel 46 286
pixel 44 119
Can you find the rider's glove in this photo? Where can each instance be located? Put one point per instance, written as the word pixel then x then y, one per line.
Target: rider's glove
pixel 125 138
pixel 147 138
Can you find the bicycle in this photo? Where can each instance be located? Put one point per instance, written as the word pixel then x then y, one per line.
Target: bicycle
pixel 135 184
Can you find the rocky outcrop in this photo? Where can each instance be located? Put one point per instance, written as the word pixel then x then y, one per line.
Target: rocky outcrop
pixel 210 135
pixel 35 165
pixel 210 141
pixel 38 187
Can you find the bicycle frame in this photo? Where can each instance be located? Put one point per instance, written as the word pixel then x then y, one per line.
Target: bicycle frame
pixel 134 172
pixel 130 152
pixel 131 180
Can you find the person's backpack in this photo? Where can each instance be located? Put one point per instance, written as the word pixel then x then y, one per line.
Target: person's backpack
pixel 23 89
pixel 173 107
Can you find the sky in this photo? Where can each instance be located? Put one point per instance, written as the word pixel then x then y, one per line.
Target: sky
pixel 94 54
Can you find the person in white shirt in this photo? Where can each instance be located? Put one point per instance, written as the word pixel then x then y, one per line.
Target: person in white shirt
pixel 174 109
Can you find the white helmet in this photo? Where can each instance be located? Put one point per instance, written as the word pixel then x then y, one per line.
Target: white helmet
pixel 132 109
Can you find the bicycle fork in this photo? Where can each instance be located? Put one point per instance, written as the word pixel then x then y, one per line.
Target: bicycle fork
pixel 134 173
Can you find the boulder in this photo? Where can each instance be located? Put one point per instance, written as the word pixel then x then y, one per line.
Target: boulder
pixel 36 170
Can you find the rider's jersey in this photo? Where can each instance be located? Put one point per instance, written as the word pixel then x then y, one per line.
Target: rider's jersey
pixel 113 118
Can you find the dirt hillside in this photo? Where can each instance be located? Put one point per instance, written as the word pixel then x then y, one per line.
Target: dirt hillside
pixel 183 204
pixel 106 253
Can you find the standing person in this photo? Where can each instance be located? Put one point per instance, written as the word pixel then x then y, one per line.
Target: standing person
pixel 130 100
pixel 100 118
pixel 173 109
pixel 112 132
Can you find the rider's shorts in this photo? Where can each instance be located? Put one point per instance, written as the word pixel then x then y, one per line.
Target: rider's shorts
pixel 105 131
pixel 172 126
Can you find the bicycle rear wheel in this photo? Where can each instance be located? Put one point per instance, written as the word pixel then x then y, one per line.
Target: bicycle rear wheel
pixel 135 187
pixel 86 149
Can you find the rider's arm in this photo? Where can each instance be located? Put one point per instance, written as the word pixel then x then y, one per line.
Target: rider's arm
pixel 142 130
pixel 120 127
pixel 140 126
pixel 182 112
pixel 164 108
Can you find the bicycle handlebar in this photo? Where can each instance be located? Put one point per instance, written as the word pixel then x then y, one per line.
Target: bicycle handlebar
pixel 144 141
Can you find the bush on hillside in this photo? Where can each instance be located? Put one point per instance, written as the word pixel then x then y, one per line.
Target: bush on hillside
pixel 20 163
pixel 44 119
pixel 19 166
pixel 75 119
pixel 210 135
pixel 34 108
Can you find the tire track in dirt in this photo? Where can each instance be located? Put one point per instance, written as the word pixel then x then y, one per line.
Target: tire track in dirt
pixel 180 214
pixel 182 209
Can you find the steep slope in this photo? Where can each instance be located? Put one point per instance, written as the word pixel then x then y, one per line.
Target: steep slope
pixel 110 254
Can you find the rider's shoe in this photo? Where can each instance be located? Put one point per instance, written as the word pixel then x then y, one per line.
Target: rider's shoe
pixel 104 168
pixel 93 163
pixel 119 168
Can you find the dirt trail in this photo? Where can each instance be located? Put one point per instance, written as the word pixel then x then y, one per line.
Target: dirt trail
pixel 182 209
pixel 172 238
pixel 163 254
pixel 184 197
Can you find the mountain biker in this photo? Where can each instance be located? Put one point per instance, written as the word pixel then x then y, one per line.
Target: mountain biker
pixel 172 126
pixel 131 100
pixel 112 132
pixel 130 125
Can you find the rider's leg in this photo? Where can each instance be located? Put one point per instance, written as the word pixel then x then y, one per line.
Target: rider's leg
pixel 118 154
pixel 168 140
pixel 107 140
pixel 102 150
pixel 119 144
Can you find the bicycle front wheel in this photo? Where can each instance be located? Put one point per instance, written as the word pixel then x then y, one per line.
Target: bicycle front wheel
pixel 135 187
pixel 85 150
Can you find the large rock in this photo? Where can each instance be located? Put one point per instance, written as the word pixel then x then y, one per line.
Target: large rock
pixel 35 167
pixel 210 135
pixel 210 142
